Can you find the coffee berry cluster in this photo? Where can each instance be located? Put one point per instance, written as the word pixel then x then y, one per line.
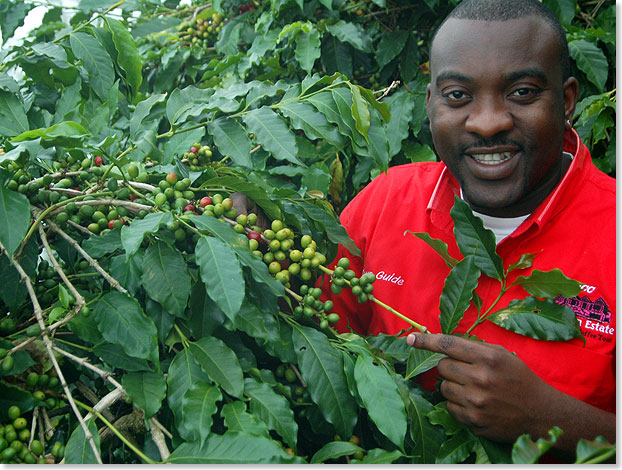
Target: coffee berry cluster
pixel 201 31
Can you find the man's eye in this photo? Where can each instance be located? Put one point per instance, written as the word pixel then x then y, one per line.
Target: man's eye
pixel 455 95
pixel 523 92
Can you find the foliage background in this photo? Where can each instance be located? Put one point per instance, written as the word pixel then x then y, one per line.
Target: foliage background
pixel 302 104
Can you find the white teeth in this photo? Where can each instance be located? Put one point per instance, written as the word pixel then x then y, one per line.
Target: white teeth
pixel 491 158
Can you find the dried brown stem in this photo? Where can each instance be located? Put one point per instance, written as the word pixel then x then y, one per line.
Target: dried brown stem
pixel 49 346
pixel 49 429
pixel 159 439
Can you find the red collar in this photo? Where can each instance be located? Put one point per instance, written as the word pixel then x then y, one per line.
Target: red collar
pixel 442 199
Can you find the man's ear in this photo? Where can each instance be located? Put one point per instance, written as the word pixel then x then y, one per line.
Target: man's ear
pixel 571 95
pixel 428 93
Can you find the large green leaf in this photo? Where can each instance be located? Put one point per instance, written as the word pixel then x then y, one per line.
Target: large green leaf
pixel 457 293
pixel 591 60
pixel 102 245
pixel 381 398
pixel 64 134
pixel 147 390
pixel 307 49
pixel 232 140
pixel 132 235
pixel 526 451
pixel 437 245
pixel 564 10
pixel 165 277
pixel 274 409
pixel 305 117
pixel 273 134
pixel 14 218
pixel 401 105
pixel 351 33
pixel 474 239
pixel 427 438
pixel 96 61
pixel 232 448
pixel 334 450
pixel 549 284
pixel 539 319
pixel 113 354
pixel 182 373
pixel 13 116
pixel 142 111
pixel 390 46
pixel 240 246
pixel 457 448
pixel 237 419
pixel 121 320
pixel 322 368
pixel 219 362
pixel 221 273
pixel 360 112
pixel 381 456
pixel 198 406
pixel 127 271
pixel 420 361
pixel 128 57
pixel 78 449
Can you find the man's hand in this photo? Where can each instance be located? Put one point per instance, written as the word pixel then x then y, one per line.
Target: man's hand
pixel 496 394
pixel 245 205
pixel 487 388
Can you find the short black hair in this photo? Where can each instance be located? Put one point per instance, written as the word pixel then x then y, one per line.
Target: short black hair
pixel 503 10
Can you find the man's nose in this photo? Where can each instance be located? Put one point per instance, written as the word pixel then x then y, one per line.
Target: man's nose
pixel 488 117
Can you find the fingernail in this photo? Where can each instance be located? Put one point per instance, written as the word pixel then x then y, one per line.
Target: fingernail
pixel 410 339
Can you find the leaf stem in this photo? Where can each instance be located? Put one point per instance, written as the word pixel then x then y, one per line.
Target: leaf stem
pixel 601 458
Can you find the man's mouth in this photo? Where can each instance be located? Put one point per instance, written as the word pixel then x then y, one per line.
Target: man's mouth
pixel 491 158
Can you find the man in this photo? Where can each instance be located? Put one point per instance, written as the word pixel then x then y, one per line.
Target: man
pixel 500 104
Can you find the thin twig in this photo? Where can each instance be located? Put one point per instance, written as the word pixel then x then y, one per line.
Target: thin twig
pixel 49 346
pixel 159 439
pixel 85 363
pixel 255 149
pixel 49 429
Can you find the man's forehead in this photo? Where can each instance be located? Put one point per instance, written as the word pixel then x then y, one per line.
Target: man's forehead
pixel 462 41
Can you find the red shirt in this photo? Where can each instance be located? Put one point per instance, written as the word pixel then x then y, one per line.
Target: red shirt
pixel 574 230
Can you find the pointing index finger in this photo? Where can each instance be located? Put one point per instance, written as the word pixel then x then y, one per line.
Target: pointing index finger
pixel 452 346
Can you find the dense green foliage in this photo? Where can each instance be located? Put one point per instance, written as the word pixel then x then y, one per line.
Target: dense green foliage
pixel 125 126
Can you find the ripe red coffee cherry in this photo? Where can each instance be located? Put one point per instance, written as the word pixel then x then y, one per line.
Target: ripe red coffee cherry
pixel 205 201
pixel 171 178
pixel 252 235
pixel 99 160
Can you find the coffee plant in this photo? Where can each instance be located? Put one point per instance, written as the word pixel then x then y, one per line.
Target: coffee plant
pixel 147 316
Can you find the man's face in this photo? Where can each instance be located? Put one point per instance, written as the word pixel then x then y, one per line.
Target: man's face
pixel 497 106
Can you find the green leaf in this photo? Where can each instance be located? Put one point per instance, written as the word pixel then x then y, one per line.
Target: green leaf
pixel 381 398
pixel 127 271
pixel 183 372
pixel 401 105
pixel 220 363
pixel 525 261
pixel 588 450
pixel 427 437
pixel 420 361
pixel 526 451
pixel 457 293
pixel 237 419
pixel 474 239
pixel 96 61
pixel 307 49
pixel 549 284
pixel 22 361
pixel 352 33
pixel 437 245
pixel 390 46
pixel 101 245
pixel 305 117
pixel 360 112
pixel 132 235
pixel 221 273
pixel 165 277
pixel 381 456
pixel 64 134
pixel 239 244
pixel 232 140
pixel 198 407
pixel 393 347
pixel 13 116
pixel 334 450
pixel 78 449
pixel 14 218
pixel 322 368
pixel 273 409
pixel 457 448
pixel 142 110
pixel 113 354
pixel 121 320
pixel 564 10
pixel 128 57
pixel 538 319
pixel 591 60
pixel 147 390
pixel 273 134
pixel 232 448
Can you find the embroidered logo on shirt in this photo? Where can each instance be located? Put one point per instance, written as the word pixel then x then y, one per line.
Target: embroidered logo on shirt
pixel 594 315
pixel 393 278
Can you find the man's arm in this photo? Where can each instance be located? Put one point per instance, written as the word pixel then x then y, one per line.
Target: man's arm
pixel 499 397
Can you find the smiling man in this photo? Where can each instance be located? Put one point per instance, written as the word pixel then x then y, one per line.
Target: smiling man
pixel 500 103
